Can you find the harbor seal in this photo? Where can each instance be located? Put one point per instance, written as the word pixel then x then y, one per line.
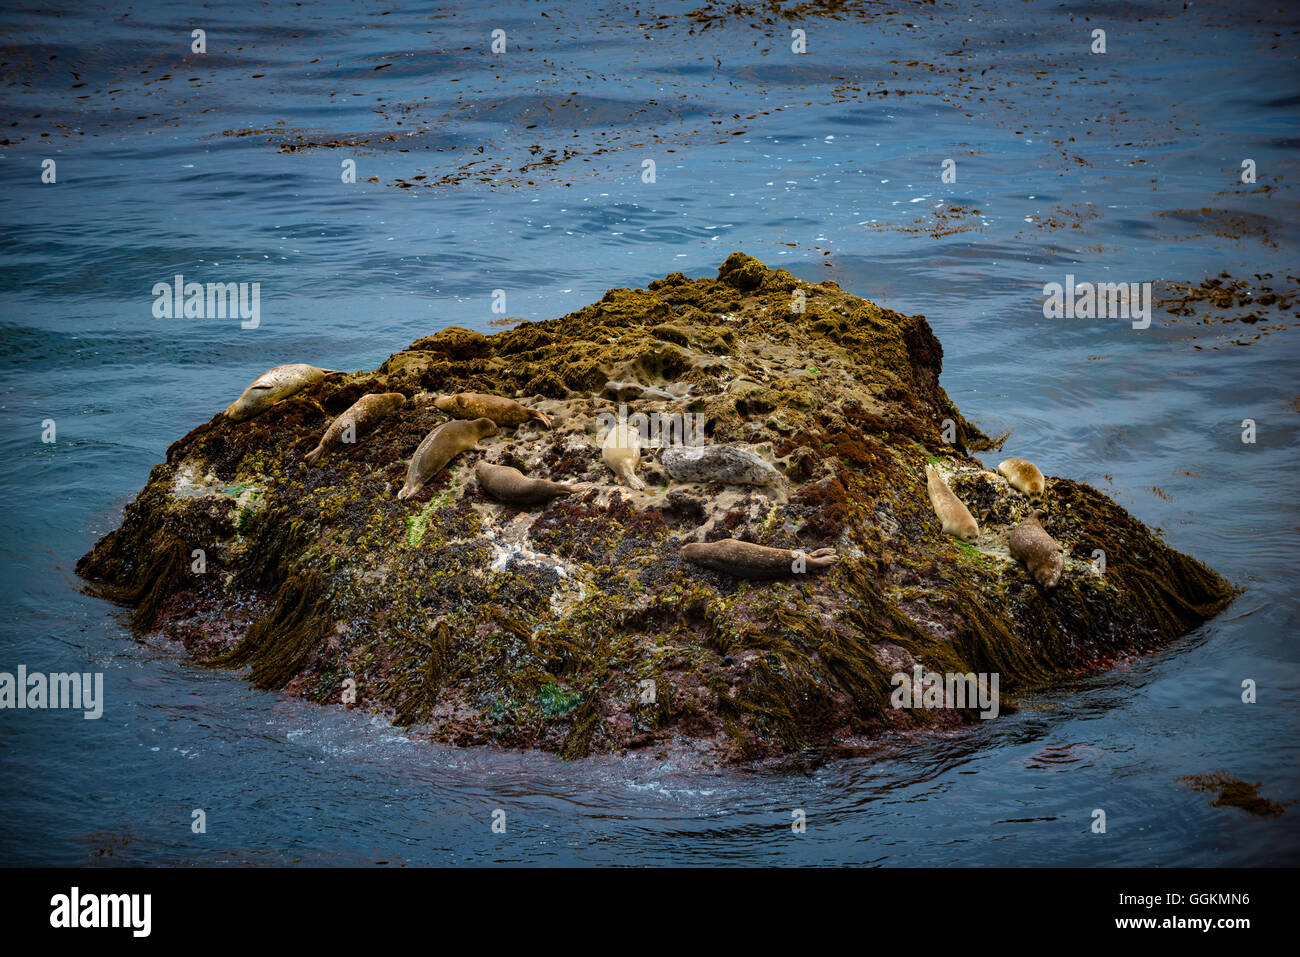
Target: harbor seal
pixel 272 386
pixel 1024 477
pixel 361 416
pixel 621 451
pixel 476 405
pixel 1041 554
pixel 717 463
pixel 955 516
pixel 514 487
pixel 747 560
pixel 441 446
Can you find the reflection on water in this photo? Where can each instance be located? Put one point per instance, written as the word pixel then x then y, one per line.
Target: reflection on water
pixel 532 182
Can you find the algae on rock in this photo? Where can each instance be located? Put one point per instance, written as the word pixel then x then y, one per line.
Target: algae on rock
pixel 577 628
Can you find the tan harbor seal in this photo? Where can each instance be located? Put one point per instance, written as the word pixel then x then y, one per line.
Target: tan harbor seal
pixel 476 405
pixel 274 385
pixel 747 560
pixel 361 416
pixel 514 487
pixel 1024 477
pixel 955 516
pixel 717 463
pixel 441 446
pixel 621 451
pixel 1041 554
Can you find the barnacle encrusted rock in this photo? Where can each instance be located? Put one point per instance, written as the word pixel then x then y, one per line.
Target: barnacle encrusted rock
pixel 576 627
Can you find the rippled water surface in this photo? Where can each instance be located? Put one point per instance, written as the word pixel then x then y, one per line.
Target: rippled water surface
pixel 226 166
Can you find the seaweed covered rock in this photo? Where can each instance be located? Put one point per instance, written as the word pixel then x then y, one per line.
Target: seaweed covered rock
pixel 576 627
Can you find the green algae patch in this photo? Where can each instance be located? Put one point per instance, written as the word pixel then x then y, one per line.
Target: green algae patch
pixel 576 627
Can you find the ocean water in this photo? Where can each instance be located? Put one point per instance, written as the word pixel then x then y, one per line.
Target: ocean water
pixel 226 166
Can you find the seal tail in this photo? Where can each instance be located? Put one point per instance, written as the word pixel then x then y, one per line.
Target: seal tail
pixel 311 457
pixel 634 482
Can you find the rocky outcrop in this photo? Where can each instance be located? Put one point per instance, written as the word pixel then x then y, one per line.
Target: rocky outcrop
pixel 576 627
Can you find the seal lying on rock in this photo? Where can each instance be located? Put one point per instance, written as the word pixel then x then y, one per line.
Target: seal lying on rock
pixel 361 416
pixel 955 516
pixel 514 487
pixel 747 560
pixel 441 446
pixel 717 463
pixel 272 386
pixel 1041 554
pixel 1024 477
pixel 621 451
pixel 476 405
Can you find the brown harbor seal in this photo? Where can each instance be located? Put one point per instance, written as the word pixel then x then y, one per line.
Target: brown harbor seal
pixel 476 405
pixel 747 560
pixel 1041 554
pixel 274 385
pixel 621 451
pixel 441 446
pixel 717 463
pixel 361 416
pixel 1024 477
pixel 514 487
pixel 953 514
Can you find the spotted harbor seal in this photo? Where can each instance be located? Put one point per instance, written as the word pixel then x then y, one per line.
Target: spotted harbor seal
pixel 1041 554
pixel 955 517
pixel 621 451
pixel 361 416
pixel 274 385
pixel 747 560
pixel 476 405
pixel 1024 477
pixel 441 446
pixel 717 463
pixel 514 487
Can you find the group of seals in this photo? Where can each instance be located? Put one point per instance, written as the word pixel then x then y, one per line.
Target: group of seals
pixel 1028 542
pixel 475 416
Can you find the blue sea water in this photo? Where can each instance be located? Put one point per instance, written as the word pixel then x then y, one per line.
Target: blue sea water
pixel 1109 167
